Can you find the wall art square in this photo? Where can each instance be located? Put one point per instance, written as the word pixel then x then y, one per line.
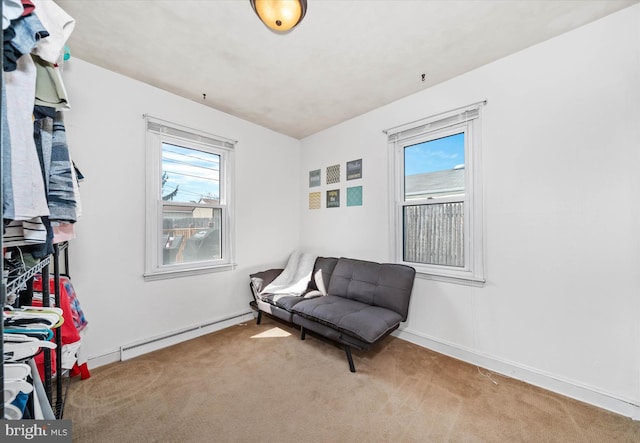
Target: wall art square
pixel 314 200
pixel 333 198
pixel 354 169
pixel 333 174
pixel 314 178
pixel 354 196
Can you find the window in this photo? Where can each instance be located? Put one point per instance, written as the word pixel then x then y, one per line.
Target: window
pixel 437 203
pixel 189 206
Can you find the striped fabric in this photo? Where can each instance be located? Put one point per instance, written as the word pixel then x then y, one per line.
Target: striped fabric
pixel 26 232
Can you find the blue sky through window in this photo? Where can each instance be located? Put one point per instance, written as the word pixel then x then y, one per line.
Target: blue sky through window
pixel 195 173
pixel 435 155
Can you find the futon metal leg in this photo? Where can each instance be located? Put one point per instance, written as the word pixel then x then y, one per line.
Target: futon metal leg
pixel 352 368
pixel 259 318
pixel 302 333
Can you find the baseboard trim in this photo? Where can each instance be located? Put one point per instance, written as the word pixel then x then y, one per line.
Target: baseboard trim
pixel 568 388
pixel 104 359
pixel 150 344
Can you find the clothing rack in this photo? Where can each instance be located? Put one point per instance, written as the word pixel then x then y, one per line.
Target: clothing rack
pixel 3 289
pixel 8 289
pixel 57 249
pixel 43 267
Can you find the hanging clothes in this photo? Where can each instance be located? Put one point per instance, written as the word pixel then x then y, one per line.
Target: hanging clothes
pixel 26 232
pixel 27 185
pixel 74 323
pixel 62 202
pixel 23 192
pixel 59 24
pixel 11 9
pixel 50 90
pixel 28 7
pixel 20 38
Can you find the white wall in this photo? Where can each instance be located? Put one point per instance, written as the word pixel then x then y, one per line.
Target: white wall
pixel 106 135
pixel 561 142
pixel 561 136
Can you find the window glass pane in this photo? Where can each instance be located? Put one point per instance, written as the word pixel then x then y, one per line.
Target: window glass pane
pixel 190 234
pixel 434 234
pixel 434 168
pixel 190 175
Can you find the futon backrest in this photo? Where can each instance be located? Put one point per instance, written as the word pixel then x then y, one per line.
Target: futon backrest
pixel 322 270
pixel 387 285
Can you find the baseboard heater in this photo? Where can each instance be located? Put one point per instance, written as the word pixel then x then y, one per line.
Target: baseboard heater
pixel 162 341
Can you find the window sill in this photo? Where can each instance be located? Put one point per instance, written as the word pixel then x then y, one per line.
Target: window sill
pixel 177 273
pixel 477 282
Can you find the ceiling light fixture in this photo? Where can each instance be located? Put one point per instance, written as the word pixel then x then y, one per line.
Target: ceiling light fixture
pixel 280 15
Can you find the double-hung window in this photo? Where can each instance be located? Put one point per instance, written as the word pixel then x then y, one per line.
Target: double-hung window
pixel 189 211
pixel 437 200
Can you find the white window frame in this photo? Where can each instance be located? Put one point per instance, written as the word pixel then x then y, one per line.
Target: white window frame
pixel 158 132
pixel 468 120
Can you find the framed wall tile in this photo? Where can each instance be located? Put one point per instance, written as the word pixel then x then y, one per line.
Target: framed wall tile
pixel 314 178
pixel 354 196
pixel 354 169
pixel 314 200
pixel 333 174
pixel 333 198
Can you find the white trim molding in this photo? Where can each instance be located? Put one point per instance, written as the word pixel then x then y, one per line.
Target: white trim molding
pixel 150 344
pixel 569 388
pixel 466 120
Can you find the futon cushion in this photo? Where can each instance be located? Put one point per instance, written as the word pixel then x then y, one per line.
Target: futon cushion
pixel 365 322
pixel 283 301
pixel 260 280
pixel 321 276
pixel 386 285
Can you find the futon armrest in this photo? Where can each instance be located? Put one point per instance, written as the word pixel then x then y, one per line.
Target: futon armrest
pixel 261 280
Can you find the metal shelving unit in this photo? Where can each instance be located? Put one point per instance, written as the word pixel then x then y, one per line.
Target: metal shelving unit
pixel 8 289
pixel 16 285
pixel 3 289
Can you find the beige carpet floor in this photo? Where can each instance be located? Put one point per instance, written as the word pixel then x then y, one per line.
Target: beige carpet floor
pixel 261 383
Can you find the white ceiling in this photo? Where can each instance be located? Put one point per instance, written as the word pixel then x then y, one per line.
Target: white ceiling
pixel 345 58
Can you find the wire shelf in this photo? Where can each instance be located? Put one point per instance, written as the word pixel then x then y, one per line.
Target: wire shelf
pixel 14 285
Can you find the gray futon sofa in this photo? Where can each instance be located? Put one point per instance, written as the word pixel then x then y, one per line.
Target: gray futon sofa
pixel 364 301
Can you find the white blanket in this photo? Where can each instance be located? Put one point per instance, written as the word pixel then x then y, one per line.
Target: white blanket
pixel 295 277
